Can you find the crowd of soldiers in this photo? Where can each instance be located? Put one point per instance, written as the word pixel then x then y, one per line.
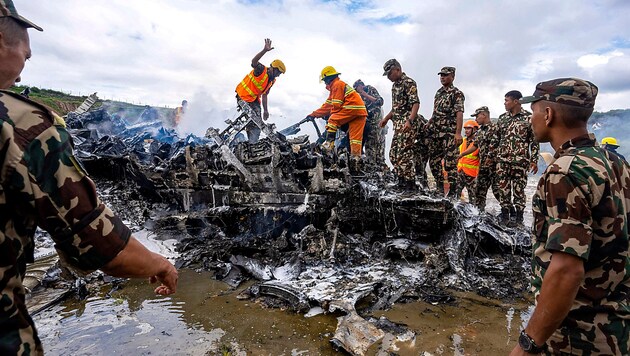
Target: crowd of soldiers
pixel 493 155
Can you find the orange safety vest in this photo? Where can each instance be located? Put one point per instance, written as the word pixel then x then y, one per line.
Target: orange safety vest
pixel 251 87
pixel 470 162
pixel 179 111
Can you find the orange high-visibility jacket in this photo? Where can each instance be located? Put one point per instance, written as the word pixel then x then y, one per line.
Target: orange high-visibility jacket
pixel 343 102
pixel 251 87
pixel 179 112
pixel 470 162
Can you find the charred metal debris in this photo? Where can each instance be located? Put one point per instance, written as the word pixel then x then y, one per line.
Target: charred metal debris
pixel 316 234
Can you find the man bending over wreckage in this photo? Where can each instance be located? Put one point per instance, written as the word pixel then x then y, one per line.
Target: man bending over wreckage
pixel 42 184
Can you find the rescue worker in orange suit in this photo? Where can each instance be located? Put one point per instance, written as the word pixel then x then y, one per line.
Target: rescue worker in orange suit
pixel 254 88
pixel 468 164
pixel 344 106
pixel 180 111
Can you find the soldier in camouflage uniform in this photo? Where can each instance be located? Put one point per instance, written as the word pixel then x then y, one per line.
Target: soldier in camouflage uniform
pixel 487 168
pixel 581 250
pixel 517 150
pixel 43 185
pixel 404 115
pixel 373 137
pixel 444 131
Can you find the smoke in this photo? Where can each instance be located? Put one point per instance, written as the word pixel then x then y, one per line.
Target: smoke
pixel 203 112
pixel 614 124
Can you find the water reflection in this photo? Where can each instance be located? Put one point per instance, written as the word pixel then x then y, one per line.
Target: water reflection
pixel 205 317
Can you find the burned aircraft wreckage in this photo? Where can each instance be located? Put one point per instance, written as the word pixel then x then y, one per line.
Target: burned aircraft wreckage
pixel 316 234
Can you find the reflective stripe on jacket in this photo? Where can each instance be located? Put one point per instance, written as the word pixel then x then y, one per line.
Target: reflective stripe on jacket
pixel 251 87
pixel 470 162
pixel 343 101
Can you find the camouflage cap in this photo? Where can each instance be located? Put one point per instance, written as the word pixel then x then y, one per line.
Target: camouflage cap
pixel 7 9
pixel 447 70
pixel 567 91
pixel 389 65
pixel 357 83
pixel 480 110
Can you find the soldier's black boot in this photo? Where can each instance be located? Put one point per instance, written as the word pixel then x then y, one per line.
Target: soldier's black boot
pixel 512 212
pixel 411 186
pixel 453 192
pixel 504 217
pixel 404 185
pixel 518 219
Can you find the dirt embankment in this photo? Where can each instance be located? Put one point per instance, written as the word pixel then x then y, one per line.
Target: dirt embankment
pixel 57 101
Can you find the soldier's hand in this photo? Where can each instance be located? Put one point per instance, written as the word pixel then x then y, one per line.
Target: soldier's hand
pixel 382 123
pixel 458 139
pixel 265 115
pixel 167 277
pixel 407 126
pixel 268 45
pixel 534 168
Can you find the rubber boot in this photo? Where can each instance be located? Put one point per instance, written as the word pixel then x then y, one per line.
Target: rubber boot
pixel 452 192
pixel 512 213
pixel 354 164
pixel 405 185
pixel 504 217
pixel 411 186
pixel 518 219
pixel 329 144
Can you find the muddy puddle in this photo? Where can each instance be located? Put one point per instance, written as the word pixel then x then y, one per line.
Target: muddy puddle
pixel 206 318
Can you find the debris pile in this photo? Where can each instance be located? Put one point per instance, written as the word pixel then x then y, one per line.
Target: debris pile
pixel 316 234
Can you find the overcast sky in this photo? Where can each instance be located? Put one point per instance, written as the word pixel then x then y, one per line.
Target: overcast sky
pixel 160 52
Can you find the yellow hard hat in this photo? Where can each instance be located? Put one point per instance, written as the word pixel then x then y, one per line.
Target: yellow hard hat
pixel 280 65
pixel 327 72
pixel 609 141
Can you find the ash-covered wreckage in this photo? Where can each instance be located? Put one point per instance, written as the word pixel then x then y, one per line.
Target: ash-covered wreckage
pixel 316 234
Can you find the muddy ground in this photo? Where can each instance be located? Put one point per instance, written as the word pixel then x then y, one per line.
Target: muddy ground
pixel 439 315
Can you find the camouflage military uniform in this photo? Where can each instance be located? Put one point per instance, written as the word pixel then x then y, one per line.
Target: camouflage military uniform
pixel 401 154
pixel 42 184
pixel 487 165
pixel 373 137
pixel 468 182
pixel 516 150
pixel 581 208
pixel 441 134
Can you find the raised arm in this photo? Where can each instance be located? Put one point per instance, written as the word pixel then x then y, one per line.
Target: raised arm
pixel 258 56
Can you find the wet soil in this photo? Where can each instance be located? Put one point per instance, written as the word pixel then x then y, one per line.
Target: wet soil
pixel 206 318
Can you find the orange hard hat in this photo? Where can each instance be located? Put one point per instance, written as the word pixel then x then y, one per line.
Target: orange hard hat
pixel 471 124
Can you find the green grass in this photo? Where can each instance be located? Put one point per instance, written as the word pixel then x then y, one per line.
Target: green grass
pixel 59 102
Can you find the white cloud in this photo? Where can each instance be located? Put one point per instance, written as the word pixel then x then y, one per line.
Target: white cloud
pixel 588 61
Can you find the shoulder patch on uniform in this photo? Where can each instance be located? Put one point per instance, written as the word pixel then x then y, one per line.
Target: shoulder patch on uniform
pixel 78 165
pixel 58 120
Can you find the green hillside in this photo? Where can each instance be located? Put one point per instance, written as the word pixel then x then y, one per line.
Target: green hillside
pixel 57 101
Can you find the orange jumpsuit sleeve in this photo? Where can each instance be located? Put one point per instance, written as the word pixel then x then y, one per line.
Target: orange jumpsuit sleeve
pixel 334 101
